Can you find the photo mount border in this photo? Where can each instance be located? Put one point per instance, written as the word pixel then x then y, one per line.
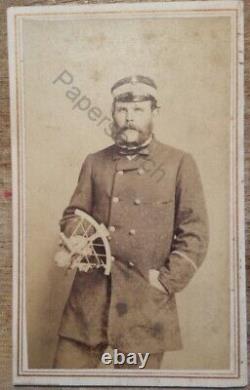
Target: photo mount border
pixel 237 376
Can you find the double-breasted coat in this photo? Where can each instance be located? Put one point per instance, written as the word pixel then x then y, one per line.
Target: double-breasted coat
pixel 154 208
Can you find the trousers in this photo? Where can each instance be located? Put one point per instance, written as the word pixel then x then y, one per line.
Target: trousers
pixel 72 354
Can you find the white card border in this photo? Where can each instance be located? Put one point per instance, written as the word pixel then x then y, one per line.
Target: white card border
pixel 21 374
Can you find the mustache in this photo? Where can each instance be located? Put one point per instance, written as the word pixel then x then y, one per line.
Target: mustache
pixel 118 132
pixel 127 127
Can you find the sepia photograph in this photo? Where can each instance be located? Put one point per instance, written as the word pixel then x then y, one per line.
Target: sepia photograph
pixel 128 201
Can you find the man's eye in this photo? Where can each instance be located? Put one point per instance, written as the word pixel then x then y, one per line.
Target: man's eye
pixel 138 109
pixel 121 109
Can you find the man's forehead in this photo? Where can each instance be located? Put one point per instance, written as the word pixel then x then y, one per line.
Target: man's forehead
pixel 142 104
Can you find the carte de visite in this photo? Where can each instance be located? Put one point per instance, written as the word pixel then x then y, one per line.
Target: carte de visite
pixel 128 194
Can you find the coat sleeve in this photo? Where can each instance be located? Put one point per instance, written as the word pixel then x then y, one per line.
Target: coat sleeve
pixel 81 198
pixel 190 239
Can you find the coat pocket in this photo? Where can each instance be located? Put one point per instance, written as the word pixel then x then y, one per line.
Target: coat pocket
pixel 156 290
pixel 157 302
pixel 157 202
pixel 156 211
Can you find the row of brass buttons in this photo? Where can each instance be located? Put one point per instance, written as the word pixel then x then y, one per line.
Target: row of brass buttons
pixel 130 263
pixel 131 231
pixel 116 199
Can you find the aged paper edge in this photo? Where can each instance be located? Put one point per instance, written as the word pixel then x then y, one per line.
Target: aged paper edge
pixel 237 375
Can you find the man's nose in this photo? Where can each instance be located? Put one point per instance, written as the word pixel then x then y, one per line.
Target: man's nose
pixel 129 116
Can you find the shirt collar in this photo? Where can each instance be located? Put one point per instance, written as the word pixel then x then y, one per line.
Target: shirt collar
pixel 145 151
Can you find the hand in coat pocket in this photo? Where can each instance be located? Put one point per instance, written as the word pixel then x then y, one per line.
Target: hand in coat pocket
pixel 154 281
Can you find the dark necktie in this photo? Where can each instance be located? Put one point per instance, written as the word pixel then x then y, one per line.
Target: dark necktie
pixel 142 150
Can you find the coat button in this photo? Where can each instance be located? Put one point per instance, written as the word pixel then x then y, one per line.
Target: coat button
pixel 137 201
pixel 111 228
pixel 120 173
pixel 112 258
pixel 116 199
pixel 141 171
pixel 131 264
pixel 132 232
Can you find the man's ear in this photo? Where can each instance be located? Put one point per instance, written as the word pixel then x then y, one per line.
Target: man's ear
pixel 113 109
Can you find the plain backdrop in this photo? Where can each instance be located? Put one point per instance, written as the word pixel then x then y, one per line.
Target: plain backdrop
pixel 189 59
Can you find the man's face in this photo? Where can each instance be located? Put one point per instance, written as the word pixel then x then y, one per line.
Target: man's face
pixel 133 122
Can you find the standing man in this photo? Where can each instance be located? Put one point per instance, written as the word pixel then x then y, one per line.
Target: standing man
pixel 150 197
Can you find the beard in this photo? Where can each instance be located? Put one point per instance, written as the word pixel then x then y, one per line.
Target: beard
pixel 130 136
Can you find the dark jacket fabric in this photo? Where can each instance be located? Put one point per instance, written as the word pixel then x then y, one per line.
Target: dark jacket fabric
pixel 155 207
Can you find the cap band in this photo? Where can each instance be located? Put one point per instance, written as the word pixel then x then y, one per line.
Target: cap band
pixel 137 89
